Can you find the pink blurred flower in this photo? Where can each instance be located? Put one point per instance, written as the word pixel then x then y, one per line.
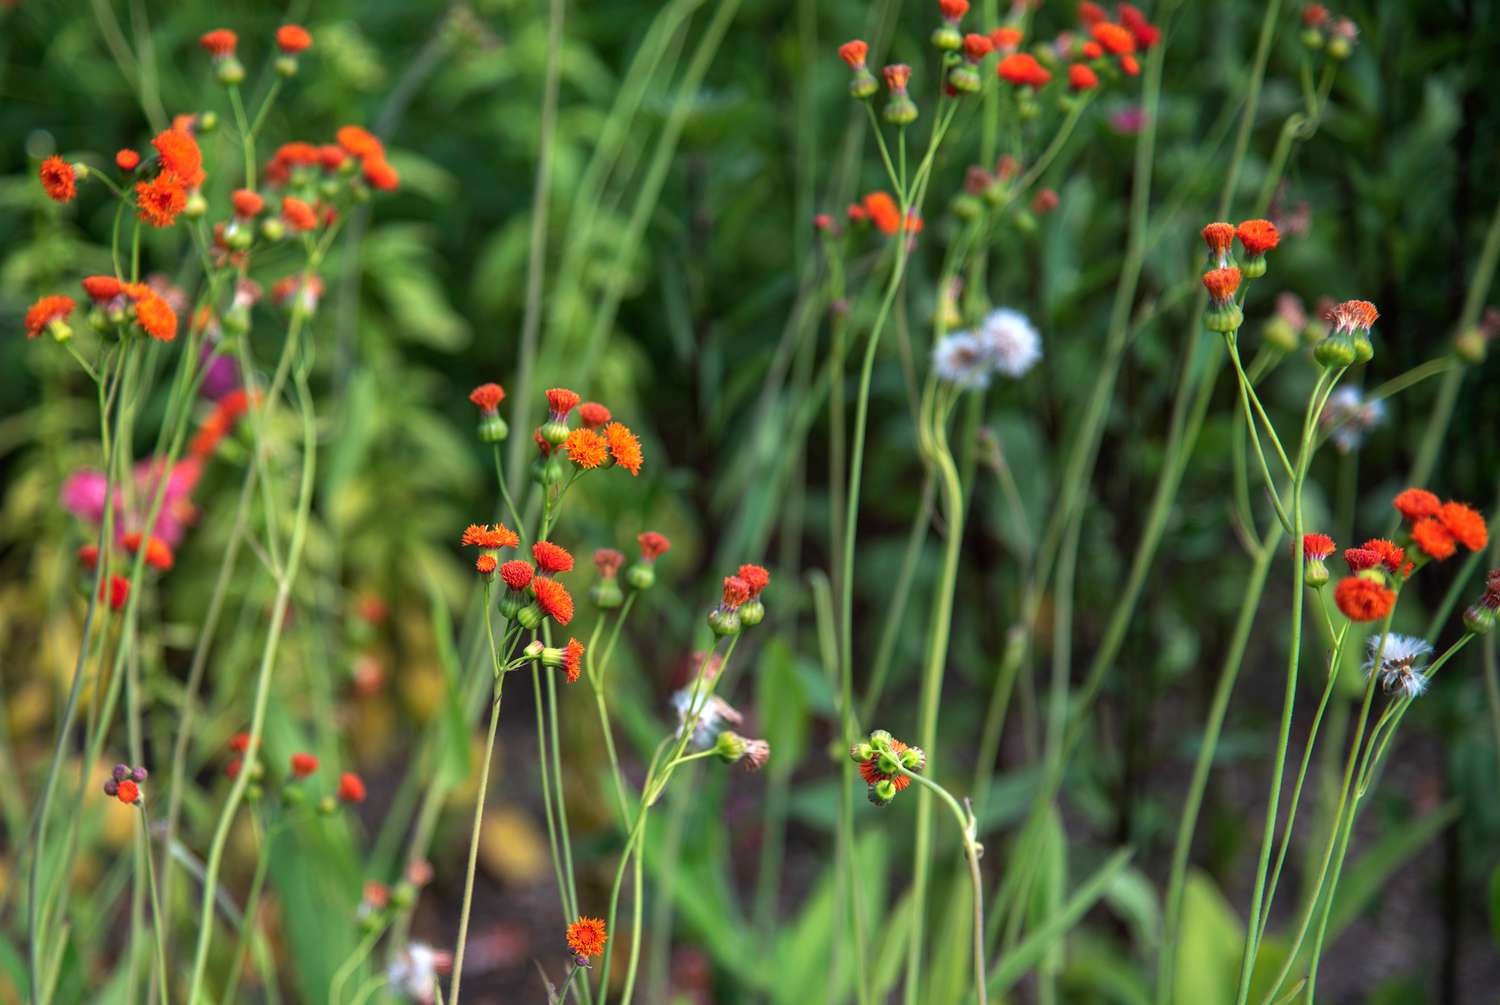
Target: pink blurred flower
pixel 1128 120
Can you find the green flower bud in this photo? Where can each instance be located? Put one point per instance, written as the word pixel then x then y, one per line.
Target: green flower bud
pixel 606 593
pixel 1479 618
pixel 900 110
pixel 492 428
pixel 947 37
pixel 964 79
pixel 1335 351
pixel 861 752
pixel 286 66
pixel 229 70
pixel 1471 346
pixel 724 622
pixel 752 613
pixel 863 84
pixel 641 575
pixel 882 792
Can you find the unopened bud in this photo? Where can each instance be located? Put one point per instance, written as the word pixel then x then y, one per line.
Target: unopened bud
pixel 1335 351
pixel 752 612
pixel 229 70
pixel 641 575
pixel 286 66
pixel 724 622
pixel 1479 618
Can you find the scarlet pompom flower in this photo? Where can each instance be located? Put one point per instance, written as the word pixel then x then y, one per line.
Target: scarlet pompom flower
pixel 1432 537
pixel 126 791
pixel 158 553
pixel 160 200
pixel 239 743
pixel 1091 13
pixel 293 38
pixel 485 564
pixel 219 43
pixel 593 415
pixel 298 214
pixel 1091 50
pixel 1359 559
pixel 586 937
pixel 180 156
pixel 624 447
pixel 560 402
pixel 88 556
pixel 102 289
pixel 1317 546
pixel 854 53
pixel 573 660
pixel 303 765
pixel 1114 38
pixel 516 574
pixel 247 203
pixel 1022 69
pixel 953 10
pixel 156 316
pixel 487 397
pixel 897 76
pixel 59 179
pixel 351 788
pixel 586 448
pixel 116 591
pixel 653 545
pixel 1219 237
pixel 127 159
pixel 359 142
pixel 1387 553
pixel 755 577
pixel 1222 284
pixel 1081 78
pixel 1258 236
pixel 554 599
pixel 490 538
pixel 608 561
pixel 49 312
pixel 1130 66
pixel 1414 504
pixel 736 592
pixel 976 47
pixel 379 173
pixel 551 557
pixel 1465 524
pixel 1006 39
pixel 1363 599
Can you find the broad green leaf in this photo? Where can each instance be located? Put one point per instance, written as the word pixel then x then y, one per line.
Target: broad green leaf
pixel 1212 942
pixel 782 704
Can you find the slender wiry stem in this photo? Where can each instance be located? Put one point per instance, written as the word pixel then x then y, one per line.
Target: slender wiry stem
pixel 972 851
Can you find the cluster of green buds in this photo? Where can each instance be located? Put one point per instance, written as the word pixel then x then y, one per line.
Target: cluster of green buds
pixel 1348 342
pixel 1222 280
pixel 1320 30
pixel 884 762
pixel 740 605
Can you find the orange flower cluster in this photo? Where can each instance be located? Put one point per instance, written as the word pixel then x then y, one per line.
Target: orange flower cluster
pixel 160 200
pixel 881 210
pixel 1439 528
pixel 158 554
pixel 220 423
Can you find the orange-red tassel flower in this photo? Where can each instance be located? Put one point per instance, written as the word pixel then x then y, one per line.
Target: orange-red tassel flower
pixel 1465 525
pixel 554 599
pixel 351 788
pixel 586 937
pixel 1022 70
pixel 293 38
pixel 158 554
pixel 303 765
pixel 298 214
pixel 59 179
pixel 46 312
pixel 624 447
pixel 593 415
pixel 180 156
pixel 1433 538
pixel 653 545
pixel 159 200
pixel 1317 546
pixel 219 43
pixel 490 538
pixel 586 448
pixel 551 557
pixel 1363 599
pixel 1081 78
pixel 1414 504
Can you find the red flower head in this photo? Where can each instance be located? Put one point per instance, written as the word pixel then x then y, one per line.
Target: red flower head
pixel 593 415
pixel 1222 283
pixel 1363 599
pixel 303 765
pixel 47 310
pixel 608 561
pixel 551 558
pixel 485 564
pixel 127 792
pixel 1317 546
pixel 116 591
pixel 586 937
pixel 1414 504
pixel 487 397
pixel 755 577
pixel 554 599
pixel 976 47
pixel 156 316
pixel 854 53
pixel 239 743
pixel 1114 38
pixel 127 159
pixel 489 538
pixel 1144 32
pixel 573 660
pixel 1219 237
pixel 1091 50
pixel 351 788
pixel 298 214
pixel 219 43
pixel 653 545
pixel 1258 236
pixel 896 77
pixel 1386 552
pixel 160 200
pixel 88 556
pixel 517 574
pixel 624 447
pixel 247 203
pixel 1081 78
pixel 1092 13
pixel 331 156
pixel 1130 66
pixel 1022 69
pixel 1314 15
pixel 180 156
pixel 158 554
pixel 1005 39
pixel 359 142
pixel 586 448
pixel 59 179
pixel 953 10
pixel 1432 537
pixel 1360 559
pixel 1353 315
pixel 293 38
pixel 1466 525
pixel 736 592
pixel 379 173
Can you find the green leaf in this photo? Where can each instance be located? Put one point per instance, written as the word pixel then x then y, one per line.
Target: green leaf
pixel 1213 940
pixel 1133 897
pixel 783 706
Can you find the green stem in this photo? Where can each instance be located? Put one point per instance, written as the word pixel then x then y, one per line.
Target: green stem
pixel 972 851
